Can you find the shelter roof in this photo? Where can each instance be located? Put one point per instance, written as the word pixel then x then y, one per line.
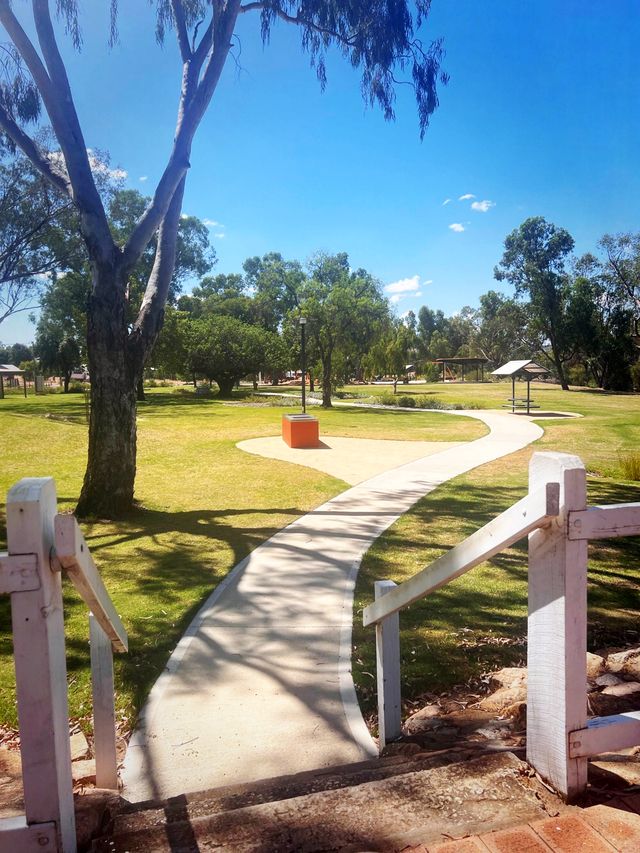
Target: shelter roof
pixel 10 370
pixel 520 368
pixel 461 360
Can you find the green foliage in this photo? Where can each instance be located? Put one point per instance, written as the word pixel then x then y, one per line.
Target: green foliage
pixel 345 311
pixel 38 234
pixel 630 465
pixel 223 349
pixel 534 263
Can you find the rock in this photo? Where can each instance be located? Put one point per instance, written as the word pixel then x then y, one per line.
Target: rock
pixel 603 705
pixel 400 748
pixel 508 676
pixel 631 668
pixel 84 771
pixel 503 698
pixel 625 689
pixel 518 714
pixel 79 746
pixel 11 794
pixel 608 680
pixel 622 773
pixel 422 720
pixel 595 665
pixel 93 810
pixel 616 661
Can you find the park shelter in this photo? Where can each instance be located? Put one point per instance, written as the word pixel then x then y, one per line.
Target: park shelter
pixel 459 361
pixel 525 370
pixel 10 371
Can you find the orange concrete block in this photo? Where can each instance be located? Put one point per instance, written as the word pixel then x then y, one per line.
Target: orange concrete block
pixel 571 834
pixel 472 844
pixel 520 839
pixel 620 827
pixel 301 430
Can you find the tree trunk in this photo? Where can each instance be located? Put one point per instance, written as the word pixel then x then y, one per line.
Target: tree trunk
pixel 326 384
pixel 107 491
pixel 225 384
pixel 140 390
pixel 65 383
pixel 312 384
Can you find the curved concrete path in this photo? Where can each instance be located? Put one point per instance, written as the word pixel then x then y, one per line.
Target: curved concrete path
pixel 260 685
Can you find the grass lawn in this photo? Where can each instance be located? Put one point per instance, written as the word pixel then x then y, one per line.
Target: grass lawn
pixel 204 505
pixel 478 622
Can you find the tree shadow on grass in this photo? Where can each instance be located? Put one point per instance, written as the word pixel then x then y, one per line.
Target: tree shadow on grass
pixel 478 622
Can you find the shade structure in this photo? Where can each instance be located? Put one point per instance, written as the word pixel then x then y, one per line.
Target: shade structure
pixel 527 370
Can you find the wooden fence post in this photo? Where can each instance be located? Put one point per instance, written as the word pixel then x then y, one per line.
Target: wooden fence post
pixel 40 663
pixel 104 715
pixel 388 671
pixel 557 630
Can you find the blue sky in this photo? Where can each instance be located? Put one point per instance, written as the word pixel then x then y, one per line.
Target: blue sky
pixel 541 117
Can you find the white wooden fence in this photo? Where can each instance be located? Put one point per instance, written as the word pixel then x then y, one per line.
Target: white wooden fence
pixel 554 514
pixel 41 544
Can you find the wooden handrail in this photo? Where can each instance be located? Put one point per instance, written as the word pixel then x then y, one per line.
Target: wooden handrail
pixel 72 554
pixel 605 522
pixel 535 510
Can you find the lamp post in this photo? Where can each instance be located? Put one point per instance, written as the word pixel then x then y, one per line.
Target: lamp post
pixel 303 323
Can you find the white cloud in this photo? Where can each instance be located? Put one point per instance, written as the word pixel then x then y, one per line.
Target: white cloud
pixel 446 201
pixel 482 206
pixel 396 298
pixel 466 197
pixel 404 285
pixel 184 216
pixel 428 281
pixel 143 178
pixel 457 227
pixel 418 293
pixel 212 223
pixel 220 236
pixel 97 165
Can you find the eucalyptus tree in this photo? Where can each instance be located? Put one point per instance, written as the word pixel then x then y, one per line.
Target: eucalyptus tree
pixel 345 310
pixel 534 260
pixel 38 234
pixel 377 37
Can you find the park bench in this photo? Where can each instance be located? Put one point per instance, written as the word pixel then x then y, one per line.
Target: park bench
pixel 514 403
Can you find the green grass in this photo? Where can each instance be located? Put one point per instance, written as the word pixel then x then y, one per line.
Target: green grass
pixel 204 505
pixel 478 622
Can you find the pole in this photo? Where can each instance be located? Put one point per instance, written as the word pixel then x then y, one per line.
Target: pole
pixel 304 370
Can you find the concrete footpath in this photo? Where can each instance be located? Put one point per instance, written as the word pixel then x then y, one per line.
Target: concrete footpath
pixel 260 685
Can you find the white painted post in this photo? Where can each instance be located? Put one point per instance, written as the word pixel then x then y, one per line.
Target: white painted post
pixel 104 714
pixel 40 663
pixel 388 671
pixel 557 630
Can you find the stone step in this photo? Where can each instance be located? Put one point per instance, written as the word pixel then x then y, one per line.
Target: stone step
pixel 400 809
pixel 405 758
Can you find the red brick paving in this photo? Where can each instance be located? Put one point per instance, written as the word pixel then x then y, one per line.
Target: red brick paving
pixel 522 839
pixel 619 827
pixel 598 829
pixel 571 834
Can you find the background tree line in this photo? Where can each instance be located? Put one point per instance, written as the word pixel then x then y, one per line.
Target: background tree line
pixel 576 315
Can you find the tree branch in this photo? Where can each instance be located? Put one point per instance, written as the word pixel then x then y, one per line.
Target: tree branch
pixel 69 133
pixel 301 22
pixel 194 100
pixel 31 150
pixel 181 30
pixel 148 321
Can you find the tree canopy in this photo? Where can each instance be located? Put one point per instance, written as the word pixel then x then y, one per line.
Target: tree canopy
pixel 378 38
